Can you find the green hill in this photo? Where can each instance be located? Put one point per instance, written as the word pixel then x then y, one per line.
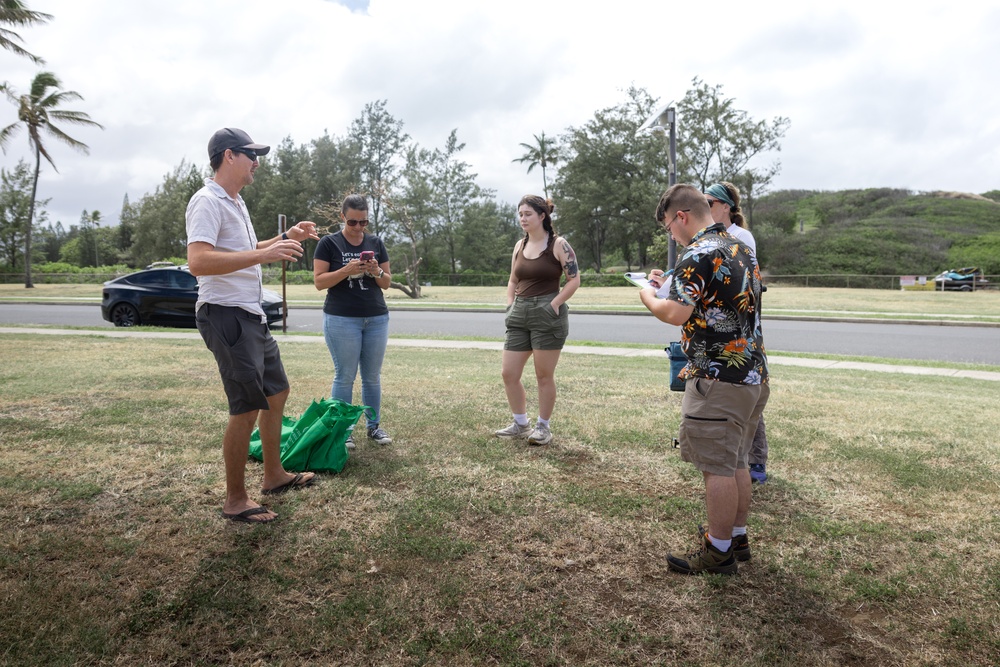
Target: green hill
pixel 876 231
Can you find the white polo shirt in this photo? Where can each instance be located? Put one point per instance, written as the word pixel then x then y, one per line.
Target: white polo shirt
pixel 216 218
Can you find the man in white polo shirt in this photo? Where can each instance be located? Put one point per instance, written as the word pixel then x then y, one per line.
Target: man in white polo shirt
pixel 223 251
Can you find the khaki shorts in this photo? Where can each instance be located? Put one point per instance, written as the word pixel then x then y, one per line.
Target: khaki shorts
pixel 718 421
pixel 533 325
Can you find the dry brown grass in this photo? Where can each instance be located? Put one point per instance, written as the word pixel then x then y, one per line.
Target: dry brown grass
pixel 875 542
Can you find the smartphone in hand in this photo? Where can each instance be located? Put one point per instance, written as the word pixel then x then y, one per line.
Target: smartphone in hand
pixel 367 255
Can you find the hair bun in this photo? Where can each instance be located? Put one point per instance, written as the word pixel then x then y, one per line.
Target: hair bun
pixel 551 205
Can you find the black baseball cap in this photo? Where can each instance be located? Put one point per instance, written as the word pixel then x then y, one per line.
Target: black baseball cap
pixel 231 137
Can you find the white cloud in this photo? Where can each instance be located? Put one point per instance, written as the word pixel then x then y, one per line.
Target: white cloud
pixel 876 96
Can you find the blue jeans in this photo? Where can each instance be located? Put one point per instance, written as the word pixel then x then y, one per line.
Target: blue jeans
pixel 355 341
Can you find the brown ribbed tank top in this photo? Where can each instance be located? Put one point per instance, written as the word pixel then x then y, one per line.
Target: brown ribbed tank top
pixel 539 276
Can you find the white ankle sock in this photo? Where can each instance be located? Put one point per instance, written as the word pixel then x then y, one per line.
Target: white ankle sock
pixel 742 530
pixel 542 422
pixel 521 420
pixel 721 545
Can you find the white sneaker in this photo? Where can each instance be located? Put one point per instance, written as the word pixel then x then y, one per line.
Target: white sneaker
pixel 350 442
pixel 515 430
pixel 540 436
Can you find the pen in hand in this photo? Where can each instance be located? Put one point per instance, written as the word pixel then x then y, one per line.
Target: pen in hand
pixel 658 278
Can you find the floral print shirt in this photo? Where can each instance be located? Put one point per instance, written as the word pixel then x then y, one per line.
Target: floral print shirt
pixel 722 339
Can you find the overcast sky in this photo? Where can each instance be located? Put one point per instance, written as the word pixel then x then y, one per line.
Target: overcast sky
pixel 879 94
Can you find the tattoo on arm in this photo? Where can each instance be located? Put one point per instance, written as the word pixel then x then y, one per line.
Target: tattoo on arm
pixel 570 266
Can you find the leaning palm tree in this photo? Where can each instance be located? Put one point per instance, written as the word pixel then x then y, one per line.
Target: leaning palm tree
pixel 36 111
pixel 544 152
pixel 14 13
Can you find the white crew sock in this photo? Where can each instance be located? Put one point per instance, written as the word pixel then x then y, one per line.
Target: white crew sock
pixel 721 545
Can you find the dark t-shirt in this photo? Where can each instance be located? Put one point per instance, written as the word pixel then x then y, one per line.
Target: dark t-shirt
pixel 358 295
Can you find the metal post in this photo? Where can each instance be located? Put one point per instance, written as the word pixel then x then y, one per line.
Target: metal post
pixel 672 180
pixel 284 299
pixel 665 120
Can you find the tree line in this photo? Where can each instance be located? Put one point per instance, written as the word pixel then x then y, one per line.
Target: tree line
pixel 427 203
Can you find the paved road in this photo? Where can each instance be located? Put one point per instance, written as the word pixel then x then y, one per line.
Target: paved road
pixel 894 341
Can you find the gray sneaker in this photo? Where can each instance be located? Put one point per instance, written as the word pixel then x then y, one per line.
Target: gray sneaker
pixel 515 430
pixel 540 436
pixel 350 442
pixel 379 436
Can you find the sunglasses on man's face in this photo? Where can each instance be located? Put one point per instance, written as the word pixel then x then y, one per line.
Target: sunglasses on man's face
pixel 354 223
pixel 246 151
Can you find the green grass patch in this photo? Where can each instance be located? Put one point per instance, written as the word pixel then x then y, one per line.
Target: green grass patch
pixel 453 547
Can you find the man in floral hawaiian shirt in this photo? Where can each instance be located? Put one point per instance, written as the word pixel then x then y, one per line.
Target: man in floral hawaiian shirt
pixel 714 297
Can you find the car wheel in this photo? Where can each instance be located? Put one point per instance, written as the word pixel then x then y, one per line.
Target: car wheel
pixel 966 288
pixel 124 315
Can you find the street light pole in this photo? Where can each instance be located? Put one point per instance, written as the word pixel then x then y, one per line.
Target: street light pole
pixel 672 179
pixel 665 120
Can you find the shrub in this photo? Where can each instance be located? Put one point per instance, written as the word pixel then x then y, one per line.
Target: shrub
pixel 982 251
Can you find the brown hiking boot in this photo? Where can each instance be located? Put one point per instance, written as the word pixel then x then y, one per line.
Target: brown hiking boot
pixel 705 559
pixel 741 545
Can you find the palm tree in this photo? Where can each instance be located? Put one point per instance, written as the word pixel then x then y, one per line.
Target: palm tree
pixel 544 152
pixel 36 111
pixel 13 12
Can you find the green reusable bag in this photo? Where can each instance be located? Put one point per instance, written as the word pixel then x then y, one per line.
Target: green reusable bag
pixel 316 440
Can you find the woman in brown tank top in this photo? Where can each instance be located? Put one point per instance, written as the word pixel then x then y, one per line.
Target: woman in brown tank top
pixel 537 316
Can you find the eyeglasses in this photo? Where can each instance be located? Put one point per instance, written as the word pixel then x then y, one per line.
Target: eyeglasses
pixel 712 202
pixel 246 151
pixel 683 210
pixel 354 223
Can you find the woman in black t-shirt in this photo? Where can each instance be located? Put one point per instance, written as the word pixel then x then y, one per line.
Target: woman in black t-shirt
pixel 353 267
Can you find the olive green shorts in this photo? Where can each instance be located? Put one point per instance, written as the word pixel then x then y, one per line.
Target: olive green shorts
pixel 533 325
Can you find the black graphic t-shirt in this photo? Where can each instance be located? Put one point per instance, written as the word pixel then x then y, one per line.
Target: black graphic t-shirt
pixel 358 295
